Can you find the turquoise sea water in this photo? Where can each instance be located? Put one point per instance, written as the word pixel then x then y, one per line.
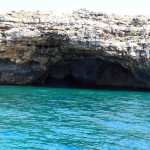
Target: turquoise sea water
pixel 44 118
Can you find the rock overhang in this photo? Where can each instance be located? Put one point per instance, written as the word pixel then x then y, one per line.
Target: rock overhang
pixel 50 39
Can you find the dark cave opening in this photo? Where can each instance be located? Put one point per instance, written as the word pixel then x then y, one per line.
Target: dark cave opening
pixel 90 73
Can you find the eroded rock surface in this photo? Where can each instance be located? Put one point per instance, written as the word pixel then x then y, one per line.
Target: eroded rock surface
pixel 84 48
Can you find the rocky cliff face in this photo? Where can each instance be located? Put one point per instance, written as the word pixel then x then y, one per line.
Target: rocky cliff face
pixel 84 49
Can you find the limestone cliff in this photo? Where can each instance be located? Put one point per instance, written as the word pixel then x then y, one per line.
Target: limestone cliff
pixel 84 48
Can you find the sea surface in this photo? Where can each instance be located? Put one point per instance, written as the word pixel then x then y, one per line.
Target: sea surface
pixel 45 118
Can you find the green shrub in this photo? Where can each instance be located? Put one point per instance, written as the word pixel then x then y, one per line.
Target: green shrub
pixel 133 33
pixel 100 20
pixel 121 40
pixel 143 22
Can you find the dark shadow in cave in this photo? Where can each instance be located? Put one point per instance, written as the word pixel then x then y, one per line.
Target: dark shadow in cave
pixel 91 73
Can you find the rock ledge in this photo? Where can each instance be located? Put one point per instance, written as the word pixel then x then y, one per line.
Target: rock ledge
pixel 84 48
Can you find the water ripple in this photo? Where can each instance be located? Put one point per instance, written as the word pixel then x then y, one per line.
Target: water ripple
pixel 35 118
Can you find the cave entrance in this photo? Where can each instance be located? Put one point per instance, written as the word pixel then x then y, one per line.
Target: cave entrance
pixel 90 73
